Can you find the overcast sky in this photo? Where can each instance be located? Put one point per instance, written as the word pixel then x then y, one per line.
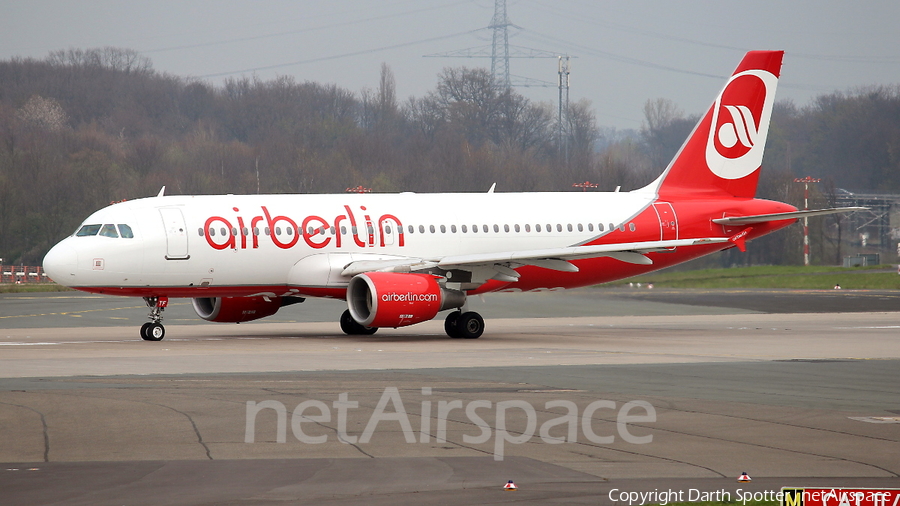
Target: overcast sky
pixel 625 52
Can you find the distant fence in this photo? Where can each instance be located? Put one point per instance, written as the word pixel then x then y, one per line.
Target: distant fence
pixel 23 274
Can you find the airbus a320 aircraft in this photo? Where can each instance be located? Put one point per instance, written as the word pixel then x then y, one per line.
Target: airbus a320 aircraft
pixel 400 259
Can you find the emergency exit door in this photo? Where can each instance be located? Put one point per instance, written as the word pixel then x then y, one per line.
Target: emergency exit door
pixel 668 222
pixel 176 233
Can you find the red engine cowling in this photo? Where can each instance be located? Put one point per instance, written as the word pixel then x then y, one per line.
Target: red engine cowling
pixel 235 309
pixel 389 299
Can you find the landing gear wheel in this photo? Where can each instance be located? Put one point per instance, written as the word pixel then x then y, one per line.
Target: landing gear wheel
pixel 469 325
pixel 450 325
pixel 154 332
pixel 352 328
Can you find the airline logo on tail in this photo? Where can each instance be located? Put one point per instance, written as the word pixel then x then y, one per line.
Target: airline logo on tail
pixel 737 136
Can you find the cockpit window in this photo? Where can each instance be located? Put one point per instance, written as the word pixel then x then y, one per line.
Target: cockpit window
pixel 125 231
pixel 88 230
pixel 109 231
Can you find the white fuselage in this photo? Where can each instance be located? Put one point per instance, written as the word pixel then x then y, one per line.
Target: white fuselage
pixel 256 240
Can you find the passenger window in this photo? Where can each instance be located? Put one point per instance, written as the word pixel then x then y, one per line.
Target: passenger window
pixel 569 227
pixel 277 230
pixel 497 229
pixel 267 231
pixel 464 229
pixel 631 227
pixel 453 228
pixel 126 232
pixel 200 231
pixel 506 228
pixel 527 227
pixel 590 227
pixel 549 228
pixel 222 230
pixel 537 228
pixel 431 228
pixel 387 229
pixel 580 228
pixel 517 228
pixel 600 227
pixel 443 229
pixel 88 230
pixel 421 229
pixel 411 229
pixel 109 231
pixel 485 228
pixel 474 229
pixel 212 232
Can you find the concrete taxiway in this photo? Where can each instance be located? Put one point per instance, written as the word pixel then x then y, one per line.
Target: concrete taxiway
pixel 626 391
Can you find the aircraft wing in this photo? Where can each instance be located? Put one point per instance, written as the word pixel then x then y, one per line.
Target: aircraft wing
pixel 762 218
pixel 549 258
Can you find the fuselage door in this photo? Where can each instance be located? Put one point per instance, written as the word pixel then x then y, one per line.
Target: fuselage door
pixel 668 222
pixel 176 233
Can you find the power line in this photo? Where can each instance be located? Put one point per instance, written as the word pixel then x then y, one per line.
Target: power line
pixel 339 56
pixel 500 51
pixel 301 30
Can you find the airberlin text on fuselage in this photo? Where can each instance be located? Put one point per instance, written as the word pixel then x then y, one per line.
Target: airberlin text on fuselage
pixel 317 232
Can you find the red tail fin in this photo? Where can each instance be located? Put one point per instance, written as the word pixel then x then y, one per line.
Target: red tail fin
pixel 723 154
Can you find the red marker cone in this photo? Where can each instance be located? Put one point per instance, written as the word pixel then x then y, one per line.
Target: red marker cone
pixel 510 486
pixel 744 477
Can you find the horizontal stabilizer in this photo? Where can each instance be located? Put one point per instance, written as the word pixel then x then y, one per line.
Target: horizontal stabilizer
pixel 762 218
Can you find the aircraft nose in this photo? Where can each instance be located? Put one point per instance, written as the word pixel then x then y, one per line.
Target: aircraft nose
pixel 60 263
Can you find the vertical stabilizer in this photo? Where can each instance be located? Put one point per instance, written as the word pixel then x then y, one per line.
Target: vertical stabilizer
pixel 723 154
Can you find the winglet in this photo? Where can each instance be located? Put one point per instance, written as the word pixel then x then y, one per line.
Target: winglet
pixel 162 192
pixel 740 239
pixel 492 188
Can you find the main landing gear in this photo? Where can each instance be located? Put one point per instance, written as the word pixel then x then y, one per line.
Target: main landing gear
pixel 352 328
pixel 458 325
pixel 154 330
pixel 468 325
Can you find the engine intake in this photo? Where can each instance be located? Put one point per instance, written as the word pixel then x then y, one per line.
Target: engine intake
pixel 389 299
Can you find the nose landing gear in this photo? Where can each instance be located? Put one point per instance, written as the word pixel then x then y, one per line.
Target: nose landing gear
pixel 154 330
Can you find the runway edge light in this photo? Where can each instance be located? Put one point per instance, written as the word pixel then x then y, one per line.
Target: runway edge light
pixel 744 477
pixel 510 486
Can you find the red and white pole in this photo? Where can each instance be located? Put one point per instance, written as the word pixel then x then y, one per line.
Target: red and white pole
pixel 806 180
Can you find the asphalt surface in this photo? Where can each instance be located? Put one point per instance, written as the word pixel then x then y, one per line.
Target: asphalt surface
pixel 757 381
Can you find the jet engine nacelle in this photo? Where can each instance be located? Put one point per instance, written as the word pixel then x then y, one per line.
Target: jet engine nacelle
pixel 235 309
pixel 390 299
